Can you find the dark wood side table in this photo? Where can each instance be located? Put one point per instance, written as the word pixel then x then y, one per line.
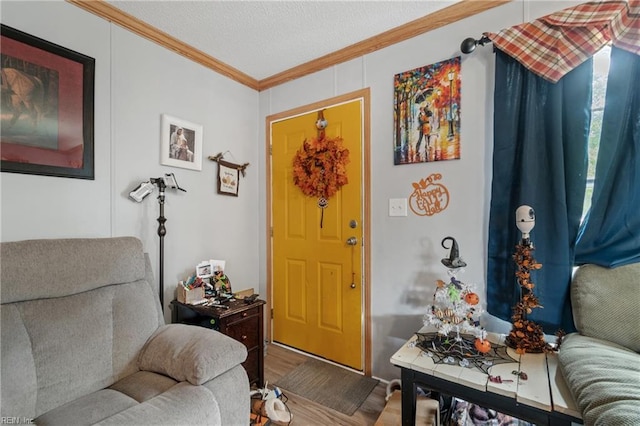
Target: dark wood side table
pixel 241 321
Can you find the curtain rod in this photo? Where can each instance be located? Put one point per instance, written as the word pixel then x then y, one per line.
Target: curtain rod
pixel 468 45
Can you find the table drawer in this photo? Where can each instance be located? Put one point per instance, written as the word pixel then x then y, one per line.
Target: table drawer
pixel 245 331
pixel 243 315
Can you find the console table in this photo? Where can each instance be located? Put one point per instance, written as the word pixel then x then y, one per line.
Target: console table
pixel 241 321
pixel 543 399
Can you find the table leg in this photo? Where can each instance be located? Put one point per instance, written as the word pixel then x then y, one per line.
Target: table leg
pixel 408 397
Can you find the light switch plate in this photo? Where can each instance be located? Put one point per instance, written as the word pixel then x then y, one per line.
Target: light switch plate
pixel 397 206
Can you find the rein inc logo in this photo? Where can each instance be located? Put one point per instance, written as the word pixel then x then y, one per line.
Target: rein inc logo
pixel 14 420
pixel 429 197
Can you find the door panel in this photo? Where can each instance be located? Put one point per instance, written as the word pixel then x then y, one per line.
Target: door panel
pixel 296 295
pixel 317 277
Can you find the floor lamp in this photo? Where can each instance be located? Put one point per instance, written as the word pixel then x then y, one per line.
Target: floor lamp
pixel 139 194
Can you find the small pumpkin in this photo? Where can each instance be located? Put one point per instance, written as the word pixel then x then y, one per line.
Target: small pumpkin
pixel 471 298
pixel 482 345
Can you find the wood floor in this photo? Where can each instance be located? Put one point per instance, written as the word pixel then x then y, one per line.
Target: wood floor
pixel 279 361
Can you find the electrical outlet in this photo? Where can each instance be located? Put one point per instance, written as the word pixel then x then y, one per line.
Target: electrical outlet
pixel 397 206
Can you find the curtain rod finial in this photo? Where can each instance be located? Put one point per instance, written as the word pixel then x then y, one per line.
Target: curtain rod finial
pixel 469 44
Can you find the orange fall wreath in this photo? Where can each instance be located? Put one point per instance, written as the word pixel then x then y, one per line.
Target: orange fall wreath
pixel 319 167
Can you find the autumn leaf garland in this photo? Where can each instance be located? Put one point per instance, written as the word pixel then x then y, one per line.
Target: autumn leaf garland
pixel 319 167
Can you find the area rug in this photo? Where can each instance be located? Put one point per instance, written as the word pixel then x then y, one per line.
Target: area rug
pixel 328 385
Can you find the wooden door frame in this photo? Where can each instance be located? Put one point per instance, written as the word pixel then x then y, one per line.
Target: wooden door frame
pixel 364 95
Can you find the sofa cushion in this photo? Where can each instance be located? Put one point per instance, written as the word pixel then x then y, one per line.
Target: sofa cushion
pixel 88 409
pixel 18 382
pixel 71 346
pixel 41 269
pixel 605 303
pixel 604 379
pixel 183 404
pixel 144 385
pixel 191 353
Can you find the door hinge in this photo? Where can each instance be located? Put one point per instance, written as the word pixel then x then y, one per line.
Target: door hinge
pixel 271 313
pixel 270 149
pixel 271 231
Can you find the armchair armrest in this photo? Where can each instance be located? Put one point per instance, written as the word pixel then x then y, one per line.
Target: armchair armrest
pixel 190 353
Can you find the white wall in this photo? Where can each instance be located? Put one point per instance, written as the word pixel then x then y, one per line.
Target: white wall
pixel 51 207
pixel 406 251
pixel 136 82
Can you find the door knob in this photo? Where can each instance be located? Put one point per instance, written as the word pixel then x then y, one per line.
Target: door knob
pixel 352 241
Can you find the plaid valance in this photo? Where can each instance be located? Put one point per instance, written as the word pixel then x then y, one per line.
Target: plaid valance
pixel 555 44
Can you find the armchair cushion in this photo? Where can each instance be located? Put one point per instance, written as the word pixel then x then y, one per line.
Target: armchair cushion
pixel 190 353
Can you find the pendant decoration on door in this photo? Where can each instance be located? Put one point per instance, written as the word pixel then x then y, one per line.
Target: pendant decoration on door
pixel 319 166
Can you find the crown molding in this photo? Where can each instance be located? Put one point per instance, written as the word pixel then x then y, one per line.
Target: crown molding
pixel 438 19
pixel 112 14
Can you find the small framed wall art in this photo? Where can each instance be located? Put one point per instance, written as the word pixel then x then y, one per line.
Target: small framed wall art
pixel 47 107
pixel 228 178
pixel 181 143
pixel 228 175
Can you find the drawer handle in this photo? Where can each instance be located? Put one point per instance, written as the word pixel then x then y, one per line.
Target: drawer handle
pixel 244 337
pixel 244 314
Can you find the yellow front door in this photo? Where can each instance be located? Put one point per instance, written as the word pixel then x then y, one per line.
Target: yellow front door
pixel 317 270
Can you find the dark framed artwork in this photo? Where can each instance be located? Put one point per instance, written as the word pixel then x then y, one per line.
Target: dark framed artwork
pixel 47 125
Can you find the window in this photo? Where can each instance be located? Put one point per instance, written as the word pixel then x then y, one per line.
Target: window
pixel 600 74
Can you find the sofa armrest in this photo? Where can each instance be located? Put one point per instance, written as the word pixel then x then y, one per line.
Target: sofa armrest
pixel 190 353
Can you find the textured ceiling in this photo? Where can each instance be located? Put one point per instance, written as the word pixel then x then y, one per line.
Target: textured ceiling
pixel 263 38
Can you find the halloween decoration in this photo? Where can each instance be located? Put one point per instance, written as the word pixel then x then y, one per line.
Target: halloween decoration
pixel 471 298
pixel 482 345
pixel 455 316
pixel 454 260
pixel 429 196
pixel 526 335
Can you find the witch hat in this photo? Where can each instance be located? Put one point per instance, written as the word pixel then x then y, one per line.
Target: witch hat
pixel 454 260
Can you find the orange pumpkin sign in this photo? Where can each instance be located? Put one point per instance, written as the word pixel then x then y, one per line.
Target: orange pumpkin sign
pixel 429 197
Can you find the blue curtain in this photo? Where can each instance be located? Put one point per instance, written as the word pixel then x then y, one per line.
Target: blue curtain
pixel 610 235
pixel 540 159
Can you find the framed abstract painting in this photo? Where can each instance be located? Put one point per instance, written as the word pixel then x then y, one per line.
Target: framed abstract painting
pixel 427 113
